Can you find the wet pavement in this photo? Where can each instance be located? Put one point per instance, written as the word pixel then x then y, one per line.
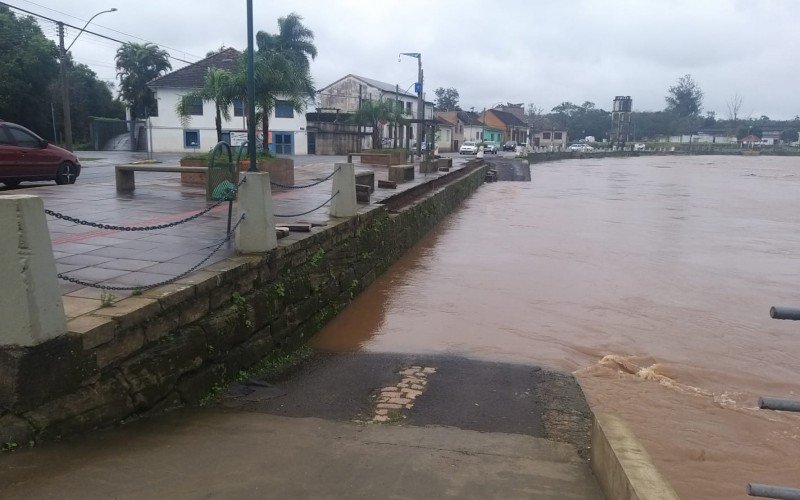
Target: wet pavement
pixel 649 278
pixel 133 259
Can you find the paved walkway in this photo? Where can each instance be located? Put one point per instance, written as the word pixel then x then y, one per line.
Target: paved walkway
pixel 138 259
pixel 476 430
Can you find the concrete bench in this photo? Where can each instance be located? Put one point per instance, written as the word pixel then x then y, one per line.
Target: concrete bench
pixel 401 173
pixel 125 177
pixel 380 155
pixel 366 179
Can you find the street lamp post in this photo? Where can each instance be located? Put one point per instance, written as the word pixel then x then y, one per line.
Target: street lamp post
pixel 420 101
pixel 65 75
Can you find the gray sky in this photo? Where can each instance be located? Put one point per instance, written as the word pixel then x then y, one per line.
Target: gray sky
pixel 541 52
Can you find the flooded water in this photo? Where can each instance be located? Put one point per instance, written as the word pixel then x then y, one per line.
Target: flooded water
pixel 649 278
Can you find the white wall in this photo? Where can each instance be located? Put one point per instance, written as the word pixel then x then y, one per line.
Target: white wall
pixel 168 131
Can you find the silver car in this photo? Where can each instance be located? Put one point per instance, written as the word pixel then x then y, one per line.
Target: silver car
pixel 491 147
pixel 468 148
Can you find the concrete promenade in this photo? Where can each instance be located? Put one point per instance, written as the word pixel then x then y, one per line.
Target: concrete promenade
pixel 136 258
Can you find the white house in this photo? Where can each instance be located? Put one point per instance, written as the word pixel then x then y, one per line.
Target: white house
pixel 287 128
pixel 345 94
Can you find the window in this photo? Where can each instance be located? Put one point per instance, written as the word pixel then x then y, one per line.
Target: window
pixel 238 107
pixel 283 109
pixel 408 108
pixel 191 138
pixel 557 136
pixel 195 106
pixel 5 139
pixel 23 139
pixel 545 135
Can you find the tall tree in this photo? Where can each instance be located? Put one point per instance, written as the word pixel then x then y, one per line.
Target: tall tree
pixel 137 64
pixel 218 88
pixel 734 105
pixel 446 99
pixel 371 114
pixel 89 97
pixel 28 69
pixel 282 68
pixel 685 98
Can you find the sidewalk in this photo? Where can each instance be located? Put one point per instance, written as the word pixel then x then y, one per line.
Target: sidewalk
pixel 138 259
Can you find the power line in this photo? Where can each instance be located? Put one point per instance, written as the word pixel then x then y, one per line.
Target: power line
pixel 112 29
pixel 85 30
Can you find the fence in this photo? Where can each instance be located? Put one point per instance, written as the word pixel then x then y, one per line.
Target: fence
pixel 777 404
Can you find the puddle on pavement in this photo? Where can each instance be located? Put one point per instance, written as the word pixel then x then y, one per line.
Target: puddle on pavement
pixel 649 278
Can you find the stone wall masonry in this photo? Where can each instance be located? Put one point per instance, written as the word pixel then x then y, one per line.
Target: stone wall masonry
pixel 172 345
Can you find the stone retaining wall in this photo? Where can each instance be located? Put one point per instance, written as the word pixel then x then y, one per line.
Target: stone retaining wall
pixel 172 345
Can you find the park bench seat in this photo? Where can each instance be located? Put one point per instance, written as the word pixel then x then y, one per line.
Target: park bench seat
pixel 125 173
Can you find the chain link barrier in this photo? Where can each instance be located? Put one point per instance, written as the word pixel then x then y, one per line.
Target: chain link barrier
pixel 286 186
pixel 75 220
pixel 160 283
pixel 312 210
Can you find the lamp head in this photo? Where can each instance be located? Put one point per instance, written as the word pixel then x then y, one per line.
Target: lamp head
pixel 112 9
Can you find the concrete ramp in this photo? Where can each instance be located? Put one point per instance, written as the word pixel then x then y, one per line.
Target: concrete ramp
pixel 217 454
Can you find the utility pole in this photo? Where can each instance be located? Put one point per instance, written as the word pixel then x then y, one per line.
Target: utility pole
pixel 420 100
pixel 251 93
pixel 64 88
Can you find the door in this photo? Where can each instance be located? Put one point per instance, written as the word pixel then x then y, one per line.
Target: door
pixel 28 158
pixel 312 143
pixel 284 143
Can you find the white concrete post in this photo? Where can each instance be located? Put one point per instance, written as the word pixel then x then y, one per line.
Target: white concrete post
pixel 479 154
pixel 344 181
pixel 30 299
pixel 256 233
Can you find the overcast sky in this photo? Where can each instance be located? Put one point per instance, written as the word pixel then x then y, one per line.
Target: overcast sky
pixel 529 51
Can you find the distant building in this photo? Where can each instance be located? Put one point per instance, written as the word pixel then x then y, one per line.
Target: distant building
pixel 548 134
pixel 345 95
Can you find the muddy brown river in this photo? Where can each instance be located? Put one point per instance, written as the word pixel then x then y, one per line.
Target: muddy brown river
pixel 649 278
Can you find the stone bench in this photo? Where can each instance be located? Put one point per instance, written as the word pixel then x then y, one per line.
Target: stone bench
pixel 401 173
pixel 125 174
pixel 376 155
pixel 366 179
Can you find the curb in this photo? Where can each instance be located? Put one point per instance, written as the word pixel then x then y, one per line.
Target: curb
pixel 622 466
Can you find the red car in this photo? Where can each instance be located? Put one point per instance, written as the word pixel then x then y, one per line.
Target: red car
pixel 24 156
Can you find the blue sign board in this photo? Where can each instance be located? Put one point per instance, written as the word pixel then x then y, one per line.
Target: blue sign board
pixel 417 88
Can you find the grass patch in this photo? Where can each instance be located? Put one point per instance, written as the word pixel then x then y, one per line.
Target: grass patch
pixel 273 367
pixel 278 364
pixel 88 159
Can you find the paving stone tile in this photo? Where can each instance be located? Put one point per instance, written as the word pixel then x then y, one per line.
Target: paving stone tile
pixel 126 264
pixel 95 274
pixel 96 293
pixel 76 248
pixel 83 259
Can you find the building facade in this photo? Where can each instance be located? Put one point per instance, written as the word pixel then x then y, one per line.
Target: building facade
pixel 171 133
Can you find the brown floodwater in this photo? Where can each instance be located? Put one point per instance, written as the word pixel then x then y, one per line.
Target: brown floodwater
pixel 648 278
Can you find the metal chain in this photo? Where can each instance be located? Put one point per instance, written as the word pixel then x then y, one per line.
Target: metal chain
pixel 165 282
pixel 112 227
pixel 286 186
pixel 312 210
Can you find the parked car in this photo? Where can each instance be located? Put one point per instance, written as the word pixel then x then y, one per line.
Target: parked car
pixel 491 147
pixel 581 148
pixel 24 156
pixel 468 148
pixel 510 146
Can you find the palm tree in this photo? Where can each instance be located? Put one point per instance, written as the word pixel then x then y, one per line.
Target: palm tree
pixel 370 114
pixel 282 69
pixel 218 87
pixel 295 40
pixel 137 64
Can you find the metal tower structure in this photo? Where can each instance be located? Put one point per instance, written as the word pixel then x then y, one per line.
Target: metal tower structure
pixel 621 120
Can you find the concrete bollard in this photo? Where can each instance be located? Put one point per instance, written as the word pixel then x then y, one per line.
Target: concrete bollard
pixel 479 154
pixel 256 233
pixel 30 301
pixel 344 181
